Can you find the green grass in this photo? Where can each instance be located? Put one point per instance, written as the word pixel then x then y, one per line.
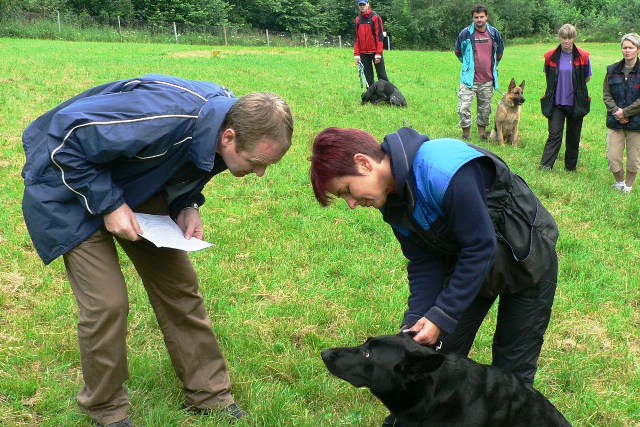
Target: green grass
pixel 288 278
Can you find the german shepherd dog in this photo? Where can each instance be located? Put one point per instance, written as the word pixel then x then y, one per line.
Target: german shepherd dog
pixel 507 116
pixel 384 91
pixel 423 387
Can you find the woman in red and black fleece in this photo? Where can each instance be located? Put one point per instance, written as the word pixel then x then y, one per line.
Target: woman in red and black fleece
pixel 368 46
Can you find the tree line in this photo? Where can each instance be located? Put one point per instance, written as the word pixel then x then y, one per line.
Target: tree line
pixel 411 24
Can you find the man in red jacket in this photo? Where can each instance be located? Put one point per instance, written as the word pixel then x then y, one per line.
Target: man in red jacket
pixel 368 46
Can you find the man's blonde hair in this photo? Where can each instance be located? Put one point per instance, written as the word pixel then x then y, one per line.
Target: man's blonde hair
pixel 634 38
pixel 257 116
pixel 568 31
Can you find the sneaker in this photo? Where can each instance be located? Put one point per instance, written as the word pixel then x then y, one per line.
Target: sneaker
pixel 626 190
pixel 618 186
pixel 122 423
pixel 544 168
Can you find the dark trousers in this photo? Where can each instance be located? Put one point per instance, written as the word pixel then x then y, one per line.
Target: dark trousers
pixel 368 61
pixel 523 318
pixel 554 141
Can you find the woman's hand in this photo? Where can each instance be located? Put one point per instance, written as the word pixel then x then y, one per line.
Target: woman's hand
pixel 427 333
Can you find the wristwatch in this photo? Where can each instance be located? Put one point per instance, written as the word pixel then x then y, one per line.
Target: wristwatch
pixel 193 205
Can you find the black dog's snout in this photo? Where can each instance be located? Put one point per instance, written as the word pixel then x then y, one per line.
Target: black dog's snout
pixel 327 355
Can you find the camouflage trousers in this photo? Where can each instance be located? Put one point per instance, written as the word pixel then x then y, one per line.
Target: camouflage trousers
pixel 484 92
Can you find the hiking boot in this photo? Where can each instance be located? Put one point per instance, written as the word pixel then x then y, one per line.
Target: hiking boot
pixel 122 423
pixel 466 134
pixel 232 412
pixel 482 133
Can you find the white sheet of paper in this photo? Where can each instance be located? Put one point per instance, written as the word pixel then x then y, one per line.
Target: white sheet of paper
pixel 164 233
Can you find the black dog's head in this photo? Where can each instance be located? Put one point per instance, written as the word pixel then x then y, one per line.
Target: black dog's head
pixel 384 364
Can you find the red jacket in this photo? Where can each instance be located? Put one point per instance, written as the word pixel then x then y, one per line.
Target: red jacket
pixel 368 39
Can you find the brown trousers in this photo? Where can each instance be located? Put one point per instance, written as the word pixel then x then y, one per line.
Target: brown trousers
pixel 172 286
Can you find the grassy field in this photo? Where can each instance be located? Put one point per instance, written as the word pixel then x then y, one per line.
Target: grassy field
pixel 288 278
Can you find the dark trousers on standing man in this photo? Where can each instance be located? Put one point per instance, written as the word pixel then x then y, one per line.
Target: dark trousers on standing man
pixel 557 120
pixel 368 61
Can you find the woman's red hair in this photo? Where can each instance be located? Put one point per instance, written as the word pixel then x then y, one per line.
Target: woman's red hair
pixel 332 156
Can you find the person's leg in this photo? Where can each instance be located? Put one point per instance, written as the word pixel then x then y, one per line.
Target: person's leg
pixel 460 341
pixel 523 318
pixel 172 285
pixel 572 147
pixel 614 154
pixel 554 140
pixel 485 95
pixel 633 157
pixel 94 272
pixel 465 99
pixel 367 62
pixel 381 71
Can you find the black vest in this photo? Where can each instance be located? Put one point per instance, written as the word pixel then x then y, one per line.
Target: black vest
pixel 625 92
pixel 526 232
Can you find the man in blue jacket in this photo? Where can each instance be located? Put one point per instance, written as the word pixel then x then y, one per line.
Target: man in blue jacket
pixel 471 230
pixel 479 47
pixel 144 145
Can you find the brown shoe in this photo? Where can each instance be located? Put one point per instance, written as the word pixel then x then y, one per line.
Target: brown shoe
pixel 466 134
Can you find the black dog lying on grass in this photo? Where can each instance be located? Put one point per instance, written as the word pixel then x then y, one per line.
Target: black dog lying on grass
pixel 424 388
pixel 383 91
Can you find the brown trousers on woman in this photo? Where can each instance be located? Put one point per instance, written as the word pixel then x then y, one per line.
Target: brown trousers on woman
pixel 172 286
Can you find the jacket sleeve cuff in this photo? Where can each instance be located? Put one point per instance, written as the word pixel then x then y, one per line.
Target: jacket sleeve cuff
pixel 441 319
pixel 114 207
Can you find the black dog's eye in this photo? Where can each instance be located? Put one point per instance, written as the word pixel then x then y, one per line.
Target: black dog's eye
pixel 365 353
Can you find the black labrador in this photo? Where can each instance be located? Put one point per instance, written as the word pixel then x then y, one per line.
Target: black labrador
pixel 384 91
pixel 425 388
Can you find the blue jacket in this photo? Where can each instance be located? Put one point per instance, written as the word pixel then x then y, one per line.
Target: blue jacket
pixel 466 224
pixel 121 142
pixel 464 51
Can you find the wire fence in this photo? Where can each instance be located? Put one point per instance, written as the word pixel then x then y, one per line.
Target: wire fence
pixel 67 26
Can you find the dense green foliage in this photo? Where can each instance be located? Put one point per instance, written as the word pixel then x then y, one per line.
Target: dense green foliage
pixel 412 24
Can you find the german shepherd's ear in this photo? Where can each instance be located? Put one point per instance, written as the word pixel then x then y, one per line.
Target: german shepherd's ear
pixel 419 365
pixel 512 84
pixel 522 85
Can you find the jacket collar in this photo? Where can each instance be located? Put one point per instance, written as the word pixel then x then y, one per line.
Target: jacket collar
pixel 402 147
pixel 206 132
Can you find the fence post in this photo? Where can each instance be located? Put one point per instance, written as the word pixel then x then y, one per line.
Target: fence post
pixel 175 32
pixel 119 29
pixel 340 41
pixel 268 43
pixel 59 26
pixel 305 40
pixel 224 32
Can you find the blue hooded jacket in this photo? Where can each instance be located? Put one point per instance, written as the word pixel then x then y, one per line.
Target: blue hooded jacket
pixel 464 51
pixel 121 142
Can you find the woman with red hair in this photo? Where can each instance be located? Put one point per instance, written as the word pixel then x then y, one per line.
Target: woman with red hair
pixel 472 231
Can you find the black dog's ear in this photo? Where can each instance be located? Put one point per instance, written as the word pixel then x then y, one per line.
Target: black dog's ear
pixel 419 365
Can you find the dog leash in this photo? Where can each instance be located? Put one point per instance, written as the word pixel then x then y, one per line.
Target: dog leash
pixel 363 79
